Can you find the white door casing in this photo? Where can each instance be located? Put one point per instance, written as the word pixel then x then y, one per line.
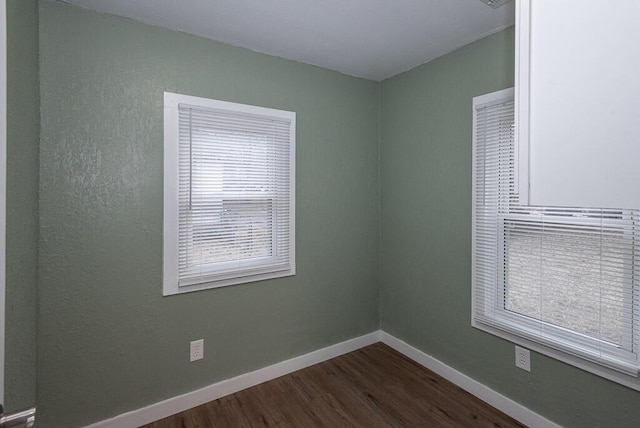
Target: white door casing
pixel 3 181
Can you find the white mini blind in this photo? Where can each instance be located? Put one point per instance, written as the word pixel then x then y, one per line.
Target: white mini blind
pixel 493 186
pixel 566 278
pixel 235 194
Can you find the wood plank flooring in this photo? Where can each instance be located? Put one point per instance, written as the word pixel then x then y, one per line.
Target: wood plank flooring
pixel 371 387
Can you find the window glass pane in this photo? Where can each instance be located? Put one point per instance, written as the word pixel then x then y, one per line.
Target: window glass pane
pixel 566 280
pixel 237 230
pixel 226 162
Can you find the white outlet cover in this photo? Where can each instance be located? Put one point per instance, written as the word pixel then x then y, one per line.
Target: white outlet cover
pixel 196 350
pixel 523 358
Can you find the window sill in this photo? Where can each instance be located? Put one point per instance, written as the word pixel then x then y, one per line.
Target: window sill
pixel 171 288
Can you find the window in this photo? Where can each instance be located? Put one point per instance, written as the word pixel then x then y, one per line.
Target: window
pixel 229 193
pixel 562 280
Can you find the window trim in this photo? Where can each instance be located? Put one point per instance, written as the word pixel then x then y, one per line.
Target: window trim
pixel 557 336
pixel 561 349
pixel 171 286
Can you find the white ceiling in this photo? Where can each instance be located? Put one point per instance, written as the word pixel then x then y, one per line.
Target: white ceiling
pixel 375 39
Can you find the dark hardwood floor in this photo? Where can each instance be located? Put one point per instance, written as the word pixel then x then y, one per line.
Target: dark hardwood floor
pixel 371 387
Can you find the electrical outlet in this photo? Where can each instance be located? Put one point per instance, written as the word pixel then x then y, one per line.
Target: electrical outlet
pixel 523 359
pixel 196 350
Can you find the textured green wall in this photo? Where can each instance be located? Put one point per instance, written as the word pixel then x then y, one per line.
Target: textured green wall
pixel 426 239
pixel 108 341
pixel 22 203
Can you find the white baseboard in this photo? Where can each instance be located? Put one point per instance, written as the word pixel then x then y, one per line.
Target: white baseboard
pixel 486 394
pixel 186 401
pixel 212 392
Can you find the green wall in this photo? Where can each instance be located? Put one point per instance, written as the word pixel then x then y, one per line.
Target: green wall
pixel 22 203
pixel 108 342
pixel 383 221
pixel 426 239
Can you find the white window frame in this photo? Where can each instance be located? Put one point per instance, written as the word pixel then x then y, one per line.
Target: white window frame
pixel 557 336
pixel 224 273
pixel 554 341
